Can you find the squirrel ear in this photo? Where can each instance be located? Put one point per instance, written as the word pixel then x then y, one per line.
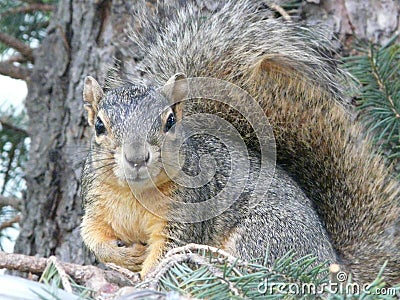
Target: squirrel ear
pixel 177 88
pixel 92 94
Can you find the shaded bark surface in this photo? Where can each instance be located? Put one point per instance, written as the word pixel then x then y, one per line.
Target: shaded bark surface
pixel 83 38
pixel 372 20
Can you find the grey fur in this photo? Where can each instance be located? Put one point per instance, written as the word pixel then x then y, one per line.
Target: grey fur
pixel 329 198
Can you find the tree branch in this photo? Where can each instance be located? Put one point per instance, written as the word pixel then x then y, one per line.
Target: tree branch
pixel 281 11
pixel 15 43
pixel 8 126
pixel 63 275
pixel 32 1
pixel 28 9
pixel 14 202
pixel 90 275
pixel 18 58
pixel 10 223
pixel 8 69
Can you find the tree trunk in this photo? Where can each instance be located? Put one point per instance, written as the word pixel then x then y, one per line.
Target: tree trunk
pixel 83 39
pixel 370 20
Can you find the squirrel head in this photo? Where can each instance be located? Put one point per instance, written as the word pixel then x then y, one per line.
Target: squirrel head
pixel 134 125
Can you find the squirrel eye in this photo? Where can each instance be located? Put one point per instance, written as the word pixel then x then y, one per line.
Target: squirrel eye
pixel 99 126
pixel 170 122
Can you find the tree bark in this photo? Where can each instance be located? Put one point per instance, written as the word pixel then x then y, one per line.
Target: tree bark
pixel 82 40
pixel 369 20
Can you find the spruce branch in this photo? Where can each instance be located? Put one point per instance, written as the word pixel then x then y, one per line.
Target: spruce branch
pixel 33 7
pixel 16 59
pixel 201 273
pixel 33 1
pixel 6 123
pixel 93 276
pixel 206 272
pixel 7 68
pixel 16 44
pixel 52 260
pixel 10 223
pixel 281 11
pixel 377 68
pixel 14 202
pixel 381 84
pixel 133 276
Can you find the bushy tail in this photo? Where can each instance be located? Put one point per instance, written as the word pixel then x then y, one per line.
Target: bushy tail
pixel 289 69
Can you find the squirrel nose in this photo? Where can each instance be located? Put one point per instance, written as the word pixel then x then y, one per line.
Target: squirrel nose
pixel 136 156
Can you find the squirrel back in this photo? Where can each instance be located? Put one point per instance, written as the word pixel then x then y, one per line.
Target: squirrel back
pixel 290 71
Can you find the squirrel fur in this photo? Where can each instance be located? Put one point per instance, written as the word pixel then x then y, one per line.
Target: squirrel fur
pixel 330 196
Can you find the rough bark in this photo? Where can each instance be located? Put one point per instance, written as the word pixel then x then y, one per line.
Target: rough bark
pixel 82 39
pixel 371 20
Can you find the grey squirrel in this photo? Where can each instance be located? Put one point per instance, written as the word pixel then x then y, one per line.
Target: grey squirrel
pixel 329 197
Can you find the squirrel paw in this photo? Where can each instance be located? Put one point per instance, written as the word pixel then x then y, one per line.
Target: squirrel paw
pixel 129 257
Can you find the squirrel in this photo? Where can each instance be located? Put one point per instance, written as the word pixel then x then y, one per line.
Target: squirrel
pixel 330 196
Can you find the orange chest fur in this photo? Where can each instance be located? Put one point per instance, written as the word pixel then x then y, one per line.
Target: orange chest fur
pixel 128 218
